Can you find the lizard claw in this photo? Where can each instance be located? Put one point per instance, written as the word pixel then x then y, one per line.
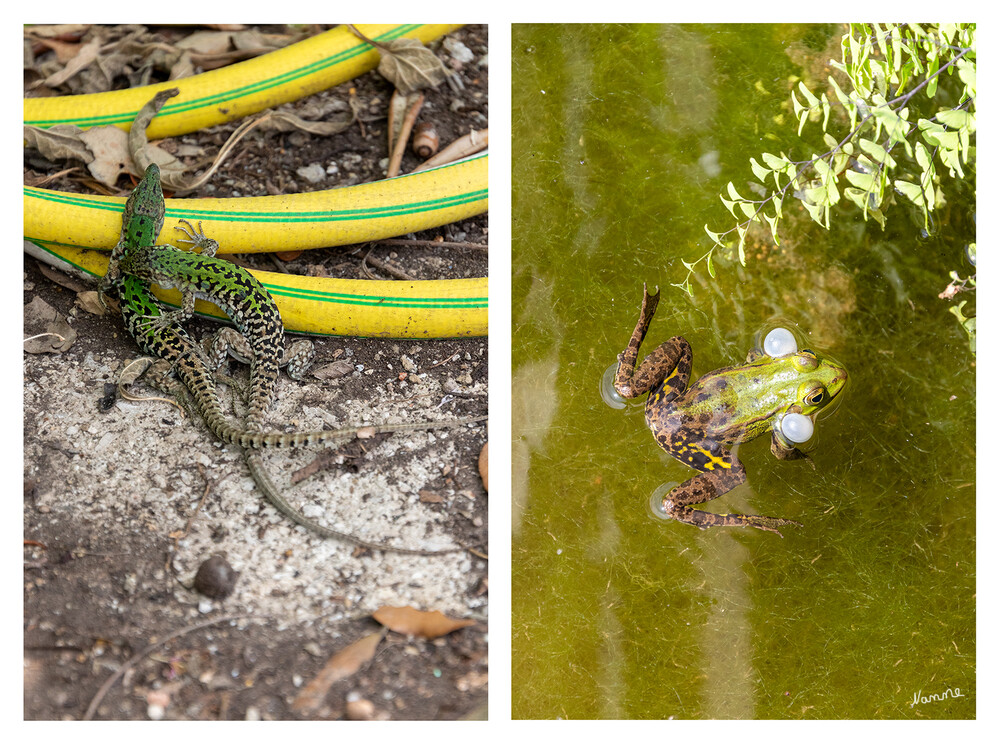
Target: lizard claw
pixel 197 238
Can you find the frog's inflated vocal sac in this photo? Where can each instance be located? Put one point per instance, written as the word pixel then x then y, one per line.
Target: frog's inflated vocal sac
pixel 728 406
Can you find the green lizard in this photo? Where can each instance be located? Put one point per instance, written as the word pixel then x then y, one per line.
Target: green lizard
pixel 160 336
pixel 173 350
pixel 244 299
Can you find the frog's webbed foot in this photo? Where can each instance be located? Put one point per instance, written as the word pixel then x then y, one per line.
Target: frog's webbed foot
pixel 727 474
pixel 706 520
pixel 649 303
pixel 764 523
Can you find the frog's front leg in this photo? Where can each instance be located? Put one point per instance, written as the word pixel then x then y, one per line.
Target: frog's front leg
pixel 721 471
pixel 784 449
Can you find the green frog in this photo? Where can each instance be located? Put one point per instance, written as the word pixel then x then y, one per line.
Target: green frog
pixel 696 424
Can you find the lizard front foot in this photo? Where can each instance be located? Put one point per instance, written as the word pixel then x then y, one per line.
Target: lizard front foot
pixel 197 238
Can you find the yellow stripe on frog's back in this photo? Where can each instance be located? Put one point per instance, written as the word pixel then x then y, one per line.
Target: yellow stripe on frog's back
pixel 664 385
pixel 688 449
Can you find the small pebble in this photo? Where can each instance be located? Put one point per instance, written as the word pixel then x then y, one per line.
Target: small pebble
pixel 215 578
pixel 360 709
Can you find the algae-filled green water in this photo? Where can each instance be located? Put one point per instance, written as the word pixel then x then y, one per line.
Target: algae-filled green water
pixel 623 137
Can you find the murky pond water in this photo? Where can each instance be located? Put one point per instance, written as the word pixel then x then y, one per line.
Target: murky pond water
pixel 623 138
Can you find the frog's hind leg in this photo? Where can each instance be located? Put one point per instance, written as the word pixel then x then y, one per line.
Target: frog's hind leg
pixel 669 363
pixel 721 471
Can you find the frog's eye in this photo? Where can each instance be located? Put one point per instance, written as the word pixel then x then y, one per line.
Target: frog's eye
pixel 806 360
pixel 815 396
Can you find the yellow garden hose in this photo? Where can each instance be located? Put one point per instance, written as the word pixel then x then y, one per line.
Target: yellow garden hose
pixel 452 308
pixel 60 223
pixel 235 91
pixel 340 216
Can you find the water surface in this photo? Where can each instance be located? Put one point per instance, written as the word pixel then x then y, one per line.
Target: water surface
pixel 623 138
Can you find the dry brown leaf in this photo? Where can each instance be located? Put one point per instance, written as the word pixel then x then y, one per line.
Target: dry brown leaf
pixel 47 328
pixel 403 111
pixel 410 66
pixel 60 142
pixel 333 370
pixel 103 148
pixel 183 67
pixel 340 666
pixel 407 63
pixel 409 621
pixel 63 279
pixel 86 55
pixel 253 40
pixel 484 465
pixel 65 51
pixel 206 42
pixel 89 302
pixel 283 121
pixel 109 147
pixel 63 30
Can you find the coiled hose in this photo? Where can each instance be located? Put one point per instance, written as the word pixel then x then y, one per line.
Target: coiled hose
pixel 59 224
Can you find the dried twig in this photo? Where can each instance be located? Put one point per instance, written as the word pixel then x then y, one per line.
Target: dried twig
pixel 106 686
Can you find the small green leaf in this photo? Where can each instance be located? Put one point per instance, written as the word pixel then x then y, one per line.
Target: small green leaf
pixel 858 196
pixel 863 181
pixel 841 96
pixel 967 74
pixel 879 217
pixel 812 100
pixel 815 211
pixel 911 191
pixel 897 47
pixel 956 119
pixel 759 170
pixel 773 161
pixel 832 193
pixel 816 195
pixel 803 117
pixel 923 157
pixel 877 152
pixel 929 195
pixel 880 76
pixel 895 127
pixel 840 162
pixel 932 69
pixel 880 41
pixel 796 106
pixel 715 236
